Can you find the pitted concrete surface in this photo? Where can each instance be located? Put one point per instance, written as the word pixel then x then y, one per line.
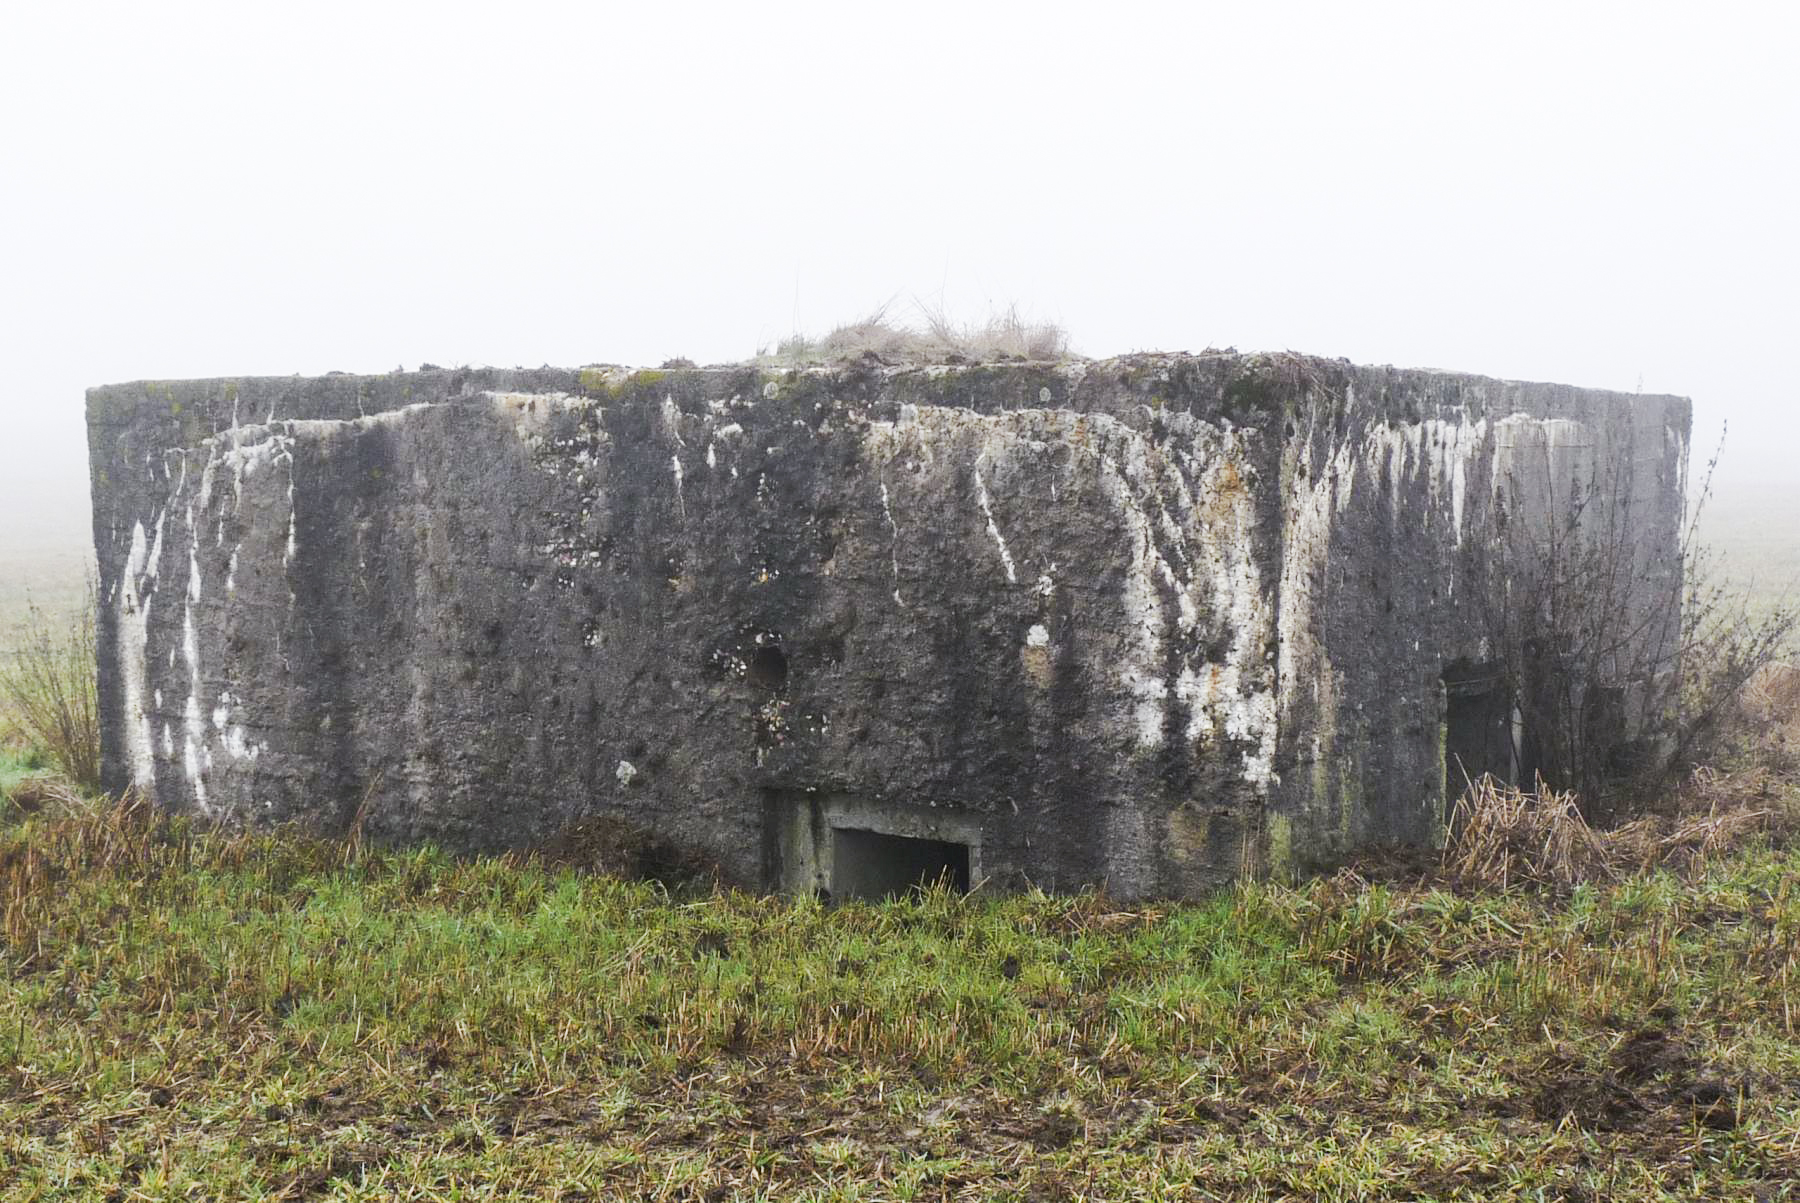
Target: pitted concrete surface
pixel 1151 622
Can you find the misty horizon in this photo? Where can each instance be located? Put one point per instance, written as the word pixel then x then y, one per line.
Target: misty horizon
pixel 1595 197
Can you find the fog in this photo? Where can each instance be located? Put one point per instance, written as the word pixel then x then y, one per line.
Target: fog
pixel 1598 194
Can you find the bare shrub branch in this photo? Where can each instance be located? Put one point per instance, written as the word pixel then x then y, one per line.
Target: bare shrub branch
pixel 1625 664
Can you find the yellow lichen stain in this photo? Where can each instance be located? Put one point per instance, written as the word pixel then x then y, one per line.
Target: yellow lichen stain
pixel 1315 810
pixel 1226 493
pixel 1195 832
pixel 1445 794
pixel 1036 662
pixel 1188 833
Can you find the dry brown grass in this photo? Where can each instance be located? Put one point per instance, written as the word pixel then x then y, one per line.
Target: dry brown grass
pixel 1690 841
pixel 1773 695
pixel 1769 710
pixel 47 793
pixel 933 337
pixel 1501 837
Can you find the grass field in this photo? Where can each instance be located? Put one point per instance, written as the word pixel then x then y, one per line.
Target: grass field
pixel 46 554
pixel 1755 541
pixel 184 1015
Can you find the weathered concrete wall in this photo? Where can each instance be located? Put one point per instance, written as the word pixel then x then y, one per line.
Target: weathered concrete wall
pixel 1149 622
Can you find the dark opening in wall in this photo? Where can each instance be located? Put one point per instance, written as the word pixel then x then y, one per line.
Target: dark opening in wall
pixel 1478 735
pixel 767 668
pixel 1603 728
pixel 868 864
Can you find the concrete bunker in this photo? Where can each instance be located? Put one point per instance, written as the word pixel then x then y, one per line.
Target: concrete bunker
pixel 1135 622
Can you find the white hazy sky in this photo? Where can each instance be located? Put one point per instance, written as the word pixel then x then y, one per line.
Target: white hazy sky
pixel 1603 194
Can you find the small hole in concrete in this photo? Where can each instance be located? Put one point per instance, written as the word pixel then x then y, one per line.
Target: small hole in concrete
pixel 868 864
pixel 767 668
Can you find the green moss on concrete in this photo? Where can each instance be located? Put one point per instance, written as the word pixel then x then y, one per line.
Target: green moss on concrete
pixel 1281 847
pixel 1351 754
pixel 1257 390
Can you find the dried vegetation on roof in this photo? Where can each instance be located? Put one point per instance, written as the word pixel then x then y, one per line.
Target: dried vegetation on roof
pixel 931 337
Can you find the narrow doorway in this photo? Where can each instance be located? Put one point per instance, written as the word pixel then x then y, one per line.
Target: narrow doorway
pixel 1478 728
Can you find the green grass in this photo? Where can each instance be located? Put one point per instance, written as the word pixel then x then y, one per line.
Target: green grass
pixel 15 765
pixel 188 1016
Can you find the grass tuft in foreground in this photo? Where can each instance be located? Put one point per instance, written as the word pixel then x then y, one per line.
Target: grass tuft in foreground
pixel 186 1014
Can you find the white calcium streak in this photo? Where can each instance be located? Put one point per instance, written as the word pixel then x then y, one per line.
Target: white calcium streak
pixel 1205 515
pixel 1187 530
pixel 987 511
pixel 132 618
pixel 1142 671
pixel 894 542
pixel 194 728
